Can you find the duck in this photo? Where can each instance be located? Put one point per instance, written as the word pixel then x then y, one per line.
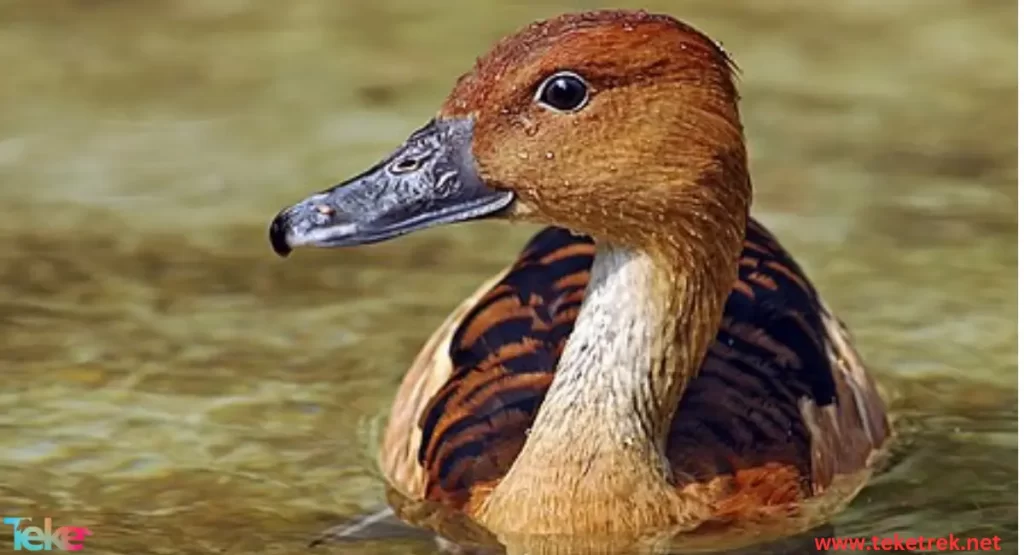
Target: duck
pixel 653 360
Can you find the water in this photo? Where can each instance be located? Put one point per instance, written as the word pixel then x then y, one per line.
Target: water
pixel 173 385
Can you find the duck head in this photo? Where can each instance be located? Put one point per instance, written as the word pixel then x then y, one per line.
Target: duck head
pixel 616 124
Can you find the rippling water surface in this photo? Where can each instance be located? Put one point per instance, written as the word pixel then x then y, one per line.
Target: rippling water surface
pixel 176 387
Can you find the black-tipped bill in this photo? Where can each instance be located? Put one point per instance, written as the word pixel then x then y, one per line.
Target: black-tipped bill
pixel 431 180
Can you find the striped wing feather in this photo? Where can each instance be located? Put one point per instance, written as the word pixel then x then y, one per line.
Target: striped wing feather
pixel 781 406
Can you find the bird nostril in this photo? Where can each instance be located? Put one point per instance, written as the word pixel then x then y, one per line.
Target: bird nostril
pixel 405 165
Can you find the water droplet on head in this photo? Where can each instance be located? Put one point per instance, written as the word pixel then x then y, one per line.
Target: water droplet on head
pixel 549 155
pixel 529 127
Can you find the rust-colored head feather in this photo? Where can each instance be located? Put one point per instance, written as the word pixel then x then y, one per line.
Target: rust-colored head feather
pixel 656 152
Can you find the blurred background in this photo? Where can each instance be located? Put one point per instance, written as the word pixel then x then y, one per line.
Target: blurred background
pixel 170 383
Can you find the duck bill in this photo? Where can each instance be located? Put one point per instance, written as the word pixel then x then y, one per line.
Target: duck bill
pixel 430 180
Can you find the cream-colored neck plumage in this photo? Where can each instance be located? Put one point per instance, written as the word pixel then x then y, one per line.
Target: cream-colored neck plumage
pixel 595 457
pixel 614 371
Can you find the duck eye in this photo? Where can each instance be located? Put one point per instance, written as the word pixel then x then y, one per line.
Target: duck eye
pixel 564 92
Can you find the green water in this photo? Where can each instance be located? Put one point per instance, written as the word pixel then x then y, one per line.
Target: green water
pixel 170 383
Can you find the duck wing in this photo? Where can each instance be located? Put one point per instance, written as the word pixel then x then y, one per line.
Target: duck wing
pixel 783 404
pixel 464 409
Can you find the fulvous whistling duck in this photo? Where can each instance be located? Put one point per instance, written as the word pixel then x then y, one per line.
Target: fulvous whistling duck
pixel 654 360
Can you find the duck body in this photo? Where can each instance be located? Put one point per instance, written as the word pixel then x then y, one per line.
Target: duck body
pixel 664 365
pixel 781 406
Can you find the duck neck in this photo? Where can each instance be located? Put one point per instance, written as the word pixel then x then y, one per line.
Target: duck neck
pixel 599 438
pixel 640 337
